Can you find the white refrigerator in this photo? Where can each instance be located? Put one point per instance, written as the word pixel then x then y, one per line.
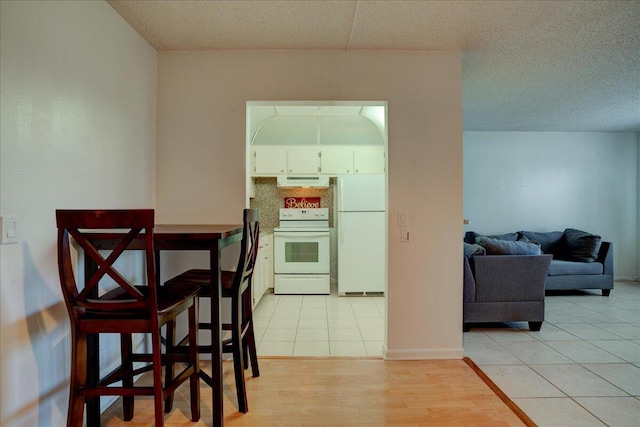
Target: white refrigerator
pixel 361 224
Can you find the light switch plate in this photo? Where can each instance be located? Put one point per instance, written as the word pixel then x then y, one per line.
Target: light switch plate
pixel 8 229
pixel 403 219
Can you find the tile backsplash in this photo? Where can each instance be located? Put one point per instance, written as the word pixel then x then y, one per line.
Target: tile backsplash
pixel 269 198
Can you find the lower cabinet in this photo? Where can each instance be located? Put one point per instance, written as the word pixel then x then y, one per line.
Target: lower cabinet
pixel 263 272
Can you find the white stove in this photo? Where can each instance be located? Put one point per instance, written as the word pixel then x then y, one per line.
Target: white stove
pixel 301 252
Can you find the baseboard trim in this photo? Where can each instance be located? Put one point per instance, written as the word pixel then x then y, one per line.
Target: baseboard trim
pixel 423 354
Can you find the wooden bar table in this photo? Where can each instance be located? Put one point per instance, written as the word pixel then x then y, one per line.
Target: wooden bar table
pixel 172 237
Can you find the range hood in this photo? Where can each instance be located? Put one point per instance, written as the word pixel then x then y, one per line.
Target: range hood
pixel 303 181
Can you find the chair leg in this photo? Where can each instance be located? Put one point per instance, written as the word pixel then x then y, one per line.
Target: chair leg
pixel 246 318
pixel 78 379
pixel 238 368
pixel 126 349
pixel 253 352
pixel 238 356
pixel 169 372
pixel 156 361
pixel 194 381
pixel 245 353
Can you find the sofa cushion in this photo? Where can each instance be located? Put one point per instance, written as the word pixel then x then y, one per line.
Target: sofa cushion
pixel 580 245
pixel 472 236
pixel 561 268
pixel 506 247
pixel 550 241
pixel 473 249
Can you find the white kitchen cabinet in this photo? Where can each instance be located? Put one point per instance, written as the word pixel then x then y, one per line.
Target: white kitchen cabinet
pixel 269 160
pixel 369 160
pixel 303 160
pixel 336 161
pixel 263 272
pixel 311 160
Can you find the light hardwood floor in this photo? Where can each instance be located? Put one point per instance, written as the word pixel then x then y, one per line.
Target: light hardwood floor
pixel 344 391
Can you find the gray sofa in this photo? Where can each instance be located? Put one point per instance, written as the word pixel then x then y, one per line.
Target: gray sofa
pixel 505 288
pixel 580 260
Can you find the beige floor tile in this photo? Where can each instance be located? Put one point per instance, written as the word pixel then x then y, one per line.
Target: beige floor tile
pixel 575 380
pixel 623 375
pixel 624 349
pixel 347 348
pixel 313 322
pixel 274 348
pixel 557 412
pixel 344 334
pixel 312 334
pixel 489 353
pixel 374 348
pixel 311 348
pixel 279 334
pixel 613 411
pixel 583 352
pixel 534 352
pixel 521 381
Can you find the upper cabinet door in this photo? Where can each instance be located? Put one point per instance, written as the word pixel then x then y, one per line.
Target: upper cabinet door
pixel 303 160
pixel 269 160
pixel 369 160
pixel 336 161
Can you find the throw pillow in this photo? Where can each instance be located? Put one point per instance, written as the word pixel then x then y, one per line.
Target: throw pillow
pixel 581 246
pixel 473 249
pixel 506 247
pixel 472 237
pixel 550 241
pixel 527 240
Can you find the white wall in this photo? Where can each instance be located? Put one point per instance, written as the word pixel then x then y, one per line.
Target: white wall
pixel 78 98
pixel 638 205
pixel 544 181
pixel 201 161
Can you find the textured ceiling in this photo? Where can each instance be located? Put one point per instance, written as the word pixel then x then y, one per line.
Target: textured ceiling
pixel 527 65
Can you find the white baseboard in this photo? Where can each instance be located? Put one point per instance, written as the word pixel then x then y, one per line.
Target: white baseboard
pixel 423 354
pixel 627 279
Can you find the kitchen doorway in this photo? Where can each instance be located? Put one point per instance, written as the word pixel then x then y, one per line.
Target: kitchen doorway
pixel 342 145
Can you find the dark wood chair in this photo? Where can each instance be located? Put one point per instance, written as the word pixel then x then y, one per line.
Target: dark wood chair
pixel 123 308
pixel 236 285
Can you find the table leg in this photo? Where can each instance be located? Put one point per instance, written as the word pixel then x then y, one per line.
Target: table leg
pixel 216 349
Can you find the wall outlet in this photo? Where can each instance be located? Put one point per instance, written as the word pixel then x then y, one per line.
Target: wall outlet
pixel 404 234
pixel 8 229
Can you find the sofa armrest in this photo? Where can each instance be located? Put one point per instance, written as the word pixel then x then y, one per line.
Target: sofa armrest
pixel 510 277
pixel 469 285
pixel 605 256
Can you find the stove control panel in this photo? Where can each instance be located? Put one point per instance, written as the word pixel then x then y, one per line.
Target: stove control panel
pixel 314 214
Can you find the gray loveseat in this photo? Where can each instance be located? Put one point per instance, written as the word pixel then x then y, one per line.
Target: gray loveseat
pixel 504 288
pixel 580 260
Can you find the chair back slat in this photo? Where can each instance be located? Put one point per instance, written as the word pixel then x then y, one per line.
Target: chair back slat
pixel 105 266
pixel 248 249
pixel 129 226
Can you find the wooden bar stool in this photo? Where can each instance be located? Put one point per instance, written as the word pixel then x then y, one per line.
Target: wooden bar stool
pixel 236 285
pixel 124 308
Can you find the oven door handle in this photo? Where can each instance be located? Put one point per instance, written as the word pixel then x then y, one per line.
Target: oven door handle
pixel 302 235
